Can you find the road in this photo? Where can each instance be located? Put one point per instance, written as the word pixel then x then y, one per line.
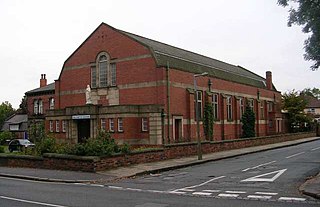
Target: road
pixel 269 178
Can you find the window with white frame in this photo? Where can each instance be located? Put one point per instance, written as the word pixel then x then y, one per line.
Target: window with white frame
pixel 103 71
pixel 270 106
pixel 51 126
pixel 64 126
pixel 51 103
pixel 93 77
pixel 120 125
pixel 111 125
pixel 113 74
pixel 199 105
pixel 262 110
pixel 251 104
pixel 40 106
pixel 57 126
pixel 229 108
pixel 35 107
pixel 215 105
pixel 241 107
pixel 144 124
pixel 103 124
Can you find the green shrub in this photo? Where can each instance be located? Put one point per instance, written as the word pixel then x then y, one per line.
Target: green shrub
pixel 46 145
pixel 5 135
pixel 2 149
pixel 125 148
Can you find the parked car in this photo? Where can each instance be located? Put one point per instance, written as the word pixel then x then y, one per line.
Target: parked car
pixel 20 144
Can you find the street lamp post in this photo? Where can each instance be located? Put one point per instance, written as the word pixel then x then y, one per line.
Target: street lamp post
pixel 197 112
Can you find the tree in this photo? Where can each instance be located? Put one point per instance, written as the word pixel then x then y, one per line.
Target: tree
pixel 208 121
pixel 6 110
pixel 23 108
pixel 307 15
pixel 315 92
pixel 248 122
pixel 294 104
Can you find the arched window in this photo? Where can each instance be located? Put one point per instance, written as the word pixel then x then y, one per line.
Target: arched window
pixel 40 106
pixel 103 71
pixel 51 103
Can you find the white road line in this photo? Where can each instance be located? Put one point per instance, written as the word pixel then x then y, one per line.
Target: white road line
pixel 228 195
pixel 33 202
pixel 265 193
pixel 201 193
pixel 115 187
pixel 189 190
pixel 315 149
pixel 201 184
pixel 291 199
pixel 235 192
pixel 259 197
pixel 295 155
pixel 251 168
pixel 177 192
pixel 212 191
pixel 134 189
pixel 96 185
pixel 259 178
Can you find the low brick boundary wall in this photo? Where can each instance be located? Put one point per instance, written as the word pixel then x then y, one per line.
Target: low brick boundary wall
pixel 94 164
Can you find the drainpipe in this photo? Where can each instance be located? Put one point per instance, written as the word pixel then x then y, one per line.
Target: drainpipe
pixel 168 103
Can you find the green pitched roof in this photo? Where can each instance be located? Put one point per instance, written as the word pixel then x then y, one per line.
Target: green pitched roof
pixel 195 63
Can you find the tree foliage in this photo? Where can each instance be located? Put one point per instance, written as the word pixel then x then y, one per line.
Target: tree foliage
pixel 306 14
pixel 6 110
pixel 294 104
pixel 315 92
pixel 248 123
pixel 208 121
pixel 23 108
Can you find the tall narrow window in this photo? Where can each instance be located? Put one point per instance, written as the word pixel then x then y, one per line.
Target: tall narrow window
pixel 144 124
pixel 199 104
pixel 262 110
pixel 93 77
pixel 111 125
pixel 113 74
pixel 120 125
pixel 241 107
pixel 57 126
pixel 229 108
pixel 51 103
pixel 215 105
pixel 40 106
pixel 103 124
pixel 35 107
pixel 103 71
pixel 64 126
pixel 251 104
pixel 51 126
pixel 270 106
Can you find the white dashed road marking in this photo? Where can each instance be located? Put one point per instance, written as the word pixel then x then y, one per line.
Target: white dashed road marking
pixel 259 197
pixel 265 193
pixel 291 199
pixel 201 193
pixel 228 195
pixel 295 155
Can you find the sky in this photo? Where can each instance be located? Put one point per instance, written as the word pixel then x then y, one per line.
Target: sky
pixel 37 36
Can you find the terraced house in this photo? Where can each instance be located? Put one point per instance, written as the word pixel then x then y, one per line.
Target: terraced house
pixel 142 91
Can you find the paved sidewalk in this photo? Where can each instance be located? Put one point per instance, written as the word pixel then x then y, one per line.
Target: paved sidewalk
pixel 311 187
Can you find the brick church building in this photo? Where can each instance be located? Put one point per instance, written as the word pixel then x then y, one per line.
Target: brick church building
pixel 142 91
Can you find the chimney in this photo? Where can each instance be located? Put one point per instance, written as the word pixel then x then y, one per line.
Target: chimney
pixel 43 80
pixel 269 80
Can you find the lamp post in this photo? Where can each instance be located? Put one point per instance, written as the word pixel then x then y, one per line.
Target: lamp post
pixel 197 112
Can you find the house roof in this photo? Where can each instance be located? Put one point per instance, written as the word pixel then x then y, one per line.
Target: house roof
pixel 21 119
pixel 185 60
pixel 178 58
pixel 312 102
pixel 48 88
